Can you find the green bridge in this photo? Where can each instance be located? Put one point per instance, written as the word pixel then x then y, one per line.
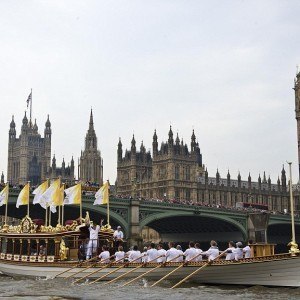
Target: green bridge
pixel 175 222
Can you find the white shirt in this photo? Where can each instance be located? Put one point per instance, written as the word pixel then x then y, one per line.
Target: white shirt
pixel 189 254
pixel 163 253
pixel 94 232
pixel 152 254
pixel 104 256
pixel 198 251
pixel 230 253
pixel 145 257
pixel 134 255
pixel 171 254
pixel 180 258
pixel 212 253
pixel 118 234
pixel 247 251
pixel 119 255
pixel 238 253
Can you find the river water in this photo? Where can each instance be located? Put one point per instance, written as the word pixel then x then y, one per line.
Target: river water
pixel 64 289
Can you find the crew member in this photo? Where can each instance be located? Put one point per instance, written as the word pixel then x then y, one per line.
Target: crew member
pixel 190 253
pixel 239 251
pixel 172 252
pixel 161 253
pixel 213 252
pixel 118 237
pixel 198 251
pixel 120 254
pixel 247 250
pixel 104 255
pixel 135 255
pixel 179 252
pixel 93 242
pixel 152 253
pixel 230 251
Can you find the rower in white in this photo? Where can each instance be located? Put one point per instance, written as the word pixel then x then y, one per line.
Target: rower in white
pixel 104 255
pixel 198 251
pixel 162 253
pixel 172 252
pixel 213 252
pixel 230 251
pixel 135 254
pixel 152 253
pixel 179 253
pixel 120 254
pixel 190 253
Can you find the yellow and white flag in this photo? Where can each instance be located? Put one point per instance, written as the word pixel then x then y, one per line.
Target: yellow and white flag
pixel 73 195
pixel 38 192
pixel 102 196
pixel 59 196
pixel 23 198
pixel 4 195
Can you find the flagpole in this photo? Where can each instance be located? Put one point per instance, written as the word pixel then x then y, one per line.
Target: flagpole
pixel 30 104
pixel 108 204
pixel 46 217
pixel 28 198
pixel 62 214
pixel 49 216
pixel 5 218
pixel 80 203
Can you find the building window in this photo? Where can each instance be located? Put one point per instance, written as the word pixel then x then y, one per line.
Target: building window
pixel 177 170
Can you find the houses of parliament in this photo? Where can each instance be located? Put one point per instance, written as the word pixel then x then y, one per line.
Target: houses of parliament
pixel 174 170
pixel 29 156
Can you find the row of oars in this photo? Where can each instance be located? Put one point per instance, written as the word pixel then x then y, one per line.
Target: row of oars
pixel 133 269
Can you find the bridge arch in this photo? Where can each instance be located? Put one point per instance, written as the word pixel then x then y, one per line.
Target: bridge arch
pixel 183 221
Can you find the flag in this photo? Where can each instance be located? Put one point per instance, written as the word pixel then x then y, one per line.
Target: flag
pixel 48 197
pixel 73 195
pixel 29 99
pixel 23 198
pixel 58 198
pixel 102 196
pixel 38 192
pixel 4 195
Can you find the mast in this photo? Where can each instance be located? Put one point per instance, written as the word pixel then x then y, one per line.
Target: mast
pixel 294 246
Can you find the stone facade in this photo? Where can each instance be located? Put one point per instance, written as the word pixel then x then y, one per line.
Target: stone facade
pixel 177 173
pixel 172 172
pixel 29 155
pixel 90 167
pixel 65 173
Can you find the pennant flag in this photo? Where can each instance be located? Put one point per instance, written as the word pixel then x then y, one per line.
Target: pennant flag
pixel 102 196
pixel 58 198
pixel 4 195
pixel 38 192
pixel 29 99
pixel 23 198
pixel 73 195
pixel 49 194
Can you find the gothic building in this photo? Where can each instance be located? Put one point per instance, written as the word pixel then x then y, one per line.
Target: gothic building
pixel 172 172
pixel 90 166
pixel 65 173
pixel 29 155
pixel 177 173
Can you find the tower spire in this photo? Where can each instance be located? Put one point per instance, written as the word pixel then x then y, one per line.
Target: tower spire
pixel 91 125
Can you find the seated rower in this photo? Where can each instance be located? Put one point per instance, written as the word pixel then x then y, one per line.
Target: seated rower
pixel 190 253
pixel 161 254
pixel 213 252
pixel 230 251
pixel 179 252
pixel 152 253
pixel 172 252
pixel 104 255
pixel 198 251
pixel 247 250
pixel 238 251
pixel 120 254
pixel 145 257
pixel 135 255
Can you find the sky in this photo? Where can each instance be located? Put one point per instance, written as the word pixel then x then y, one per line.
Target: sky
pixel 223 68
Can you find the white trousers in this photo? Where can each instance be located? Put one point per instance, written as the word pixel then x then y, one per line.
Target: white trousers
pixel 91 248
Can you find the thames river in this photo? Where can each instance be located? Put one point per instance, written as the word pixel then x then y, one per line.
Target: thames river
pixel 61 289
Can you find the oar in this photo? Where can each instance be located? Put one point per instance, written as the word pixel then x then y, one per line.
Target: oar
pixel 182 265
pixel 196 271
pixel 115 270
pixel 149 271
pixel 78 265
pixel 88 267
pixel 124 274
pixel 96 271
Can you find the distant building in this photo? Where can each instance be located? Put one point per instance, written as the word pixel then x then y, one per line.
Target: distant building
pixel 172 172
pixel 65 173
pixel 90 167
pixel 29 155
pixel 177 173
